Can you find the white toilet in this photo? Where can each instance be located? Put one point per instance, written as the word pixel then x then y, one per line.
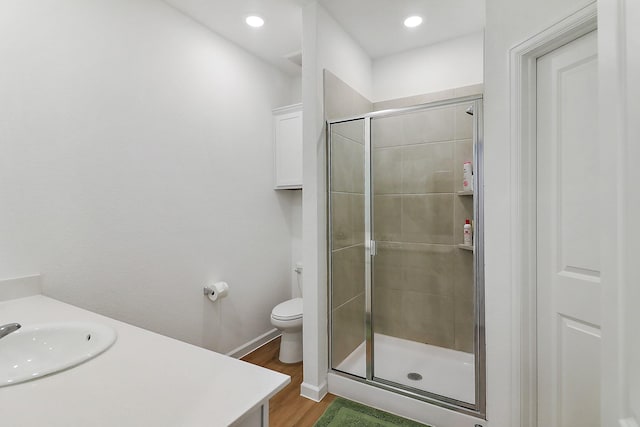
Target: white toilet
pixel 287 317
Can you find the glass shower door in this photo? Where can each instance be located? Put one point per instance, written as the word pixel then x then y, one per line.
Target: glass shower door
pixel 423 289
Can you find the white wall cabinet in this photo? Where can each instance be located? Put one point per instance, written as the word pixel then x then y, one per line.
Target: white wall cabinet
pixel 287 124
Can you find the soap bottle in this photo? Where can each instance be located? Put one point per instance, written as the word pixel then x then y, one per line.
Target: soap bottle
pixel 467 237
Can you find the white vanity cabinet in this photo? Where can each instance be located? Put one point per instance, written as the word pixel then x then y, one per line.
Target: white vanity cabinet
pixel 144 379
pixel 287 147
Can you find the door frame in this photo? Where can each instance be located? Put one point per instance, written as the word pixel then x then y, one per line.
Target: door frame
pixel 523 120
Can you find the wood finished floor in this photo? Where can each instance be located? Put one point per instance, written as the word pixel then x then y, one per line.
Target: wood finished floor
pixel 288 408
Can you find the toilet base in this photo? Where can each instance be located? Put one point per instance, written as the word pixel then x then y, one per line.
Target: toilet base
pixel 291 347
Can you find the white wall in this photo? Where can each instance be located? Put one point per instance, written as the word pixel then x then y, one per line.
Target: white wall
pixel 325 46
pixel 619 129
pixel 631 376
pixel 509 22
pixel 342 55
pixel 295 231
pixel 447 65
pixel 295 219
pixel 135 166
pixel 296 89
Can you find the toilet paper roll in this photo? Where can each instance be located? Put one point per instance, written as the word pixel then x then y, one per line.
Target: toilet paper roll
pixel 217 290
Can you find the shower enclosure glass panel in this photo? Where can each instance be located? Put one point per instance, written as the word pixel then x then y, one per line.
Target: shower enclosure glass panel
pixel 347 257
pixel 406 293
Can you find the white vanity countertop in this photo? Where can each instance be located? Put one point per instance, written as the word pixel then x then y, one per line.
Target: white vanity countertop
pixel 144 379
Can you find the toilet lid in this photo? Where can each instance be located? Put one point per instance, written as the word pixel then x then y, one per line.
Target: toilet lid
pixel 288 310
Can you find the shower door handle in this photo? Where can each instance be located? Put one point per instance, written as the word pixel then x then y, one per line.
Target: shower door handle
pixel 373 247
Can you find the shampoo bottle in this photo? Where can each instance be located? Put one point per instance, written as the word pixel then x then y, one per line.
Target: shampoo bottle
pixel 467 237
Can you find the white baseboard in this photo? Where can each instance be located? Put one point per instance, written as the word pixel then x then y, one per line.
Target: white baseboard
pixel 313 392
pixel 20 287
pixel 397 404
pixel 254 344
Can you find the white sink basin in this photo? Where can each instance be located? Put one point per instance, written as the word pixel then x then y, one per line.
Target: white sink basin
pixel 38 350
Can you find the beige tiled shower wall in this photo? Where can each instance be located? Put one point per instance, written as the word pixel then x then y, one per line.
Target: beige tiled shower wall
pixel 347 216
pixel 423 283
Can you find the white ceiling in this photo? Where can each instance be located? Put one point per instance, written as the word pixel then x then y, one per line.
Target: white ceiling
pixel 377 25
pixel 280 36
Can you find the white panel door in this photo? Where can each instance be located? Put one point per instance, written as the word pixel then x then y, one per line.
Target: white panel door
pixel 568 227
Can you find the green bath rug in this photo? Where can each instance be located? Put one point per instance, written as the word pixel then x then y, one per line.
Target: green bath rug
pixel 344 412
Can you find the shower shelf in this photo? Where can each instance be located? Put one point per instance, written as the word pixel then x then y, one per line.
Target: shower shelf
pixel 466 247
pixel 465 193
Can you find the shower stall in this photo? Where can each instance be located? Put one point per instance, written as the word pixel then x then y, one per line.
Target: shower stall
pixel 405 290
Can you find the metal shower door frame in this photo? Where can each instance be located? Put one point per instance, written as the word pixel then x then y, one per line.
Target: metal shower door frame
pixel 479 408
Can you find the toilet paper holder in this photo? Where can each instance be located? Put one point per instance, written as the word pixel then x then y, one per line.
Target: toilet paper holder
pixel 217 290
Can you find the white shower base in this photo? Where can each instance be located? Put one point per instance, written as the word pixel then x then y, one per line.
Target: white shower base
pixel 446 372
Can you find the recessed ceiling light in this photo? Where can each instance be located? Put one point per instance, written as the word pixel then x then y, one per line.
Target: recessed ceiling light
pixel 413 21
pixel 254 21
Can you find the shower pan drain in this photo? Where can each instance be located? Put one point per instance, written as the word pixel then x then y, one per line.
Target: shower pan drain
pixel 414 376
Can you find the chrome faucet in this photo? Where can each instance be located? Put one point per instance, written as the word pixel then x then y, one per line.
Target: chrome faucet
pixel 8 328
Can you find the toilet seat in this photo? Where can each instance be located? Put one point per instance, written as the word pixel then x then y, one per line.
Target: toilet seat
pixel 288 310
